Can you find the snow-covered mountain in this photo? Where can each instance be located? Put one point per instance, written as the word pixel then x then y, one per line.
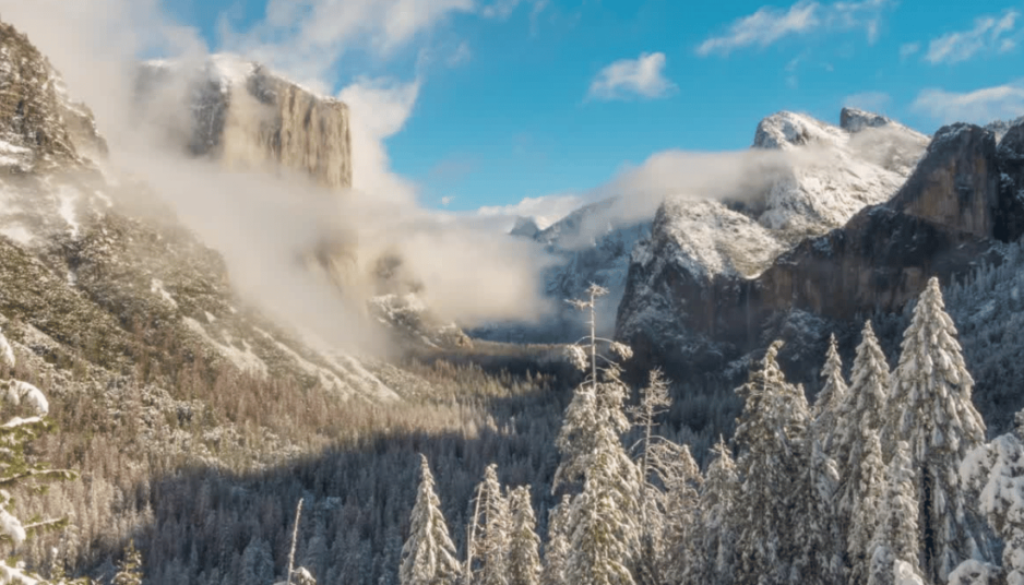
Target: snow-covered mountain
pixel 96 268
pixel 954 211
pixel 830 173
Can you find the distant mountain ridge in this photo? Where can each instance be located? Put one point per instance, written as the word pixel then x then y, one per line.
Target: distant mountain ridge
pixel 838 170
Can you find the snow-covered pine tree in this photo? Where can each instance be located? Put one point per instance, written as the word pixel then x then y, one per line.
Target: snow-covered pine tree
pixel 597 402
pixel 428 556
pixel 930 408
pixel 26 408
pixel 829 399
pixel 820 557
pixel 657 457
pixel 995 472
pixel 6 357
pixel 603 519
pixel 680 555
pixel 859 421
pixel 716 549
pixel 556 553
pixel 867 491
pixel 897 536
pixel 603 523
pixel 129 570
pixel 524 565
pixel 492 541
pixel 770 435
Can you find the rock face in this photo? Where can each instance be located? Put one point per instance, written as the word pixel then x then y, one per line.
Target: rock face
pixel 962 198
pixel 246 116
pixel 39 125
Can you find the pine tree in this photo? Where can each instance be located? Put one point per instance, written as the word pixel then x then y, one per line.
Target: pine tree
pixel 679 551
pixel 859 422
pixel 129 570
pixel 603 525
pixel 831 396
pixel 27 409
pixel 493 542
pixel 770 434
pixel 658 458
pixel 428 556
pixel 866 506
pixel 820 558
pixel 995 471
pixel 523 557
pixel 716 530
pixel 896 535
pixel 931 410
pixel 556 553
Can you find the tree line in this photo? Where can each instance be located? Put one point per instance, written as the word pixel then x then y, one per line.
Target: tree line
pixel 885 479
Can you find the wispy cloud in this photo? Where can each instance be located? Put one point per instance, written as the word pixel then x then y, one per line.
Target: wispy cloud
pixel 908 50
pixel 980 106
pixel 625 78
pixel 306 40
pixel 461 55
pixel 500 8
pixel 990 35
pixel 545 210
pixel 872 101
pixel 769 24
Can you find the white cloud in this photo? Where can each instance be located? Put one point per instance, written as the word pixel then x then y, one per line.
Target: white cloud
pixel 980 106
pixel 461 55
pixel 379 109
pixel 872 101
pixel 769 24
pixel 447 200
pixel 545 210
pixel 305 40
pixel 642 76
pixel 988 35
pixel 908 50
pixel 500 9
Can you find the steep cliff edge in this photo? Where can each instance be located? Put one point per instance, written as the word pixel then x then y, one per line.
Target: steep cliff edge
pixel 244 115
pixel 962 199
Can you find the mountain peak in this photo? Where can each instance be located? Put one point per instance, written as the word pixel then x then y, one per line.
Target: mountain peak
pixel 854 120
pixel 525 227
pixel 784 130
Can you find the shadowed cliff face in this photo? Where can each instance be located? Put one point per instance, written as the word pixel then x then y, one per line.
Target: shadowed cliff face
pixel 963 197
pixel 244 116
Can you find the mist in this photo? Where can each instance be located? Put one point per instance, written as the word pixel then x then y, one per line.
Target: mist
pixel 263 221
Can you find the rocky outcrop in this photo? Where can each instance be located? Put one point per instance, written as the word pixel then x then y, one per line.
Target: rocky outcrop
pixel 244 115
pixel 39 124
pixel 963 197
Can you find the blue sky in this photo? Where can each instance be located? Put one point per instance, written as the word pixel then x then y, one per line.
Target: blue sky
pixel 501 100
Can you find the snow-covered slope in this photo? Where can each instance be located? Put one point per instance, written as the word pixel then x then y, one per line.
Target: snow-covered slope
pixel 836 171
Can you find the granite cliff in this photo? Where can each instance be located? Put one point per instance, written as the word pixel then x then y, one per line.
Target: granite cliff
pixel 245 116
pixel 960 204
